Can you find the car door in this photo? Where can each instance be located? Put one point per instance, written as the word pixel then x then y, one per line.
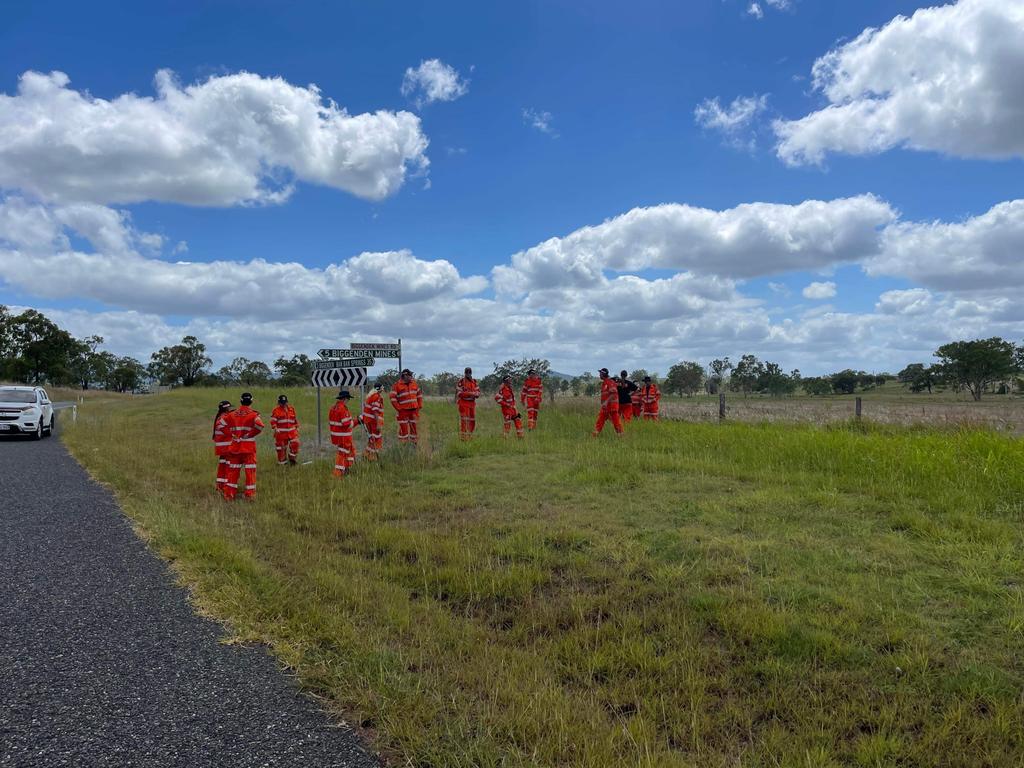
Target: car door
pixel 46 407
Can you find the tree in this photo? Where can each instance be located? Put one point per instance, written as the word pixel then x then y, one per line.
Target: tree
pixel 444 383
pixel 126 375
pixel 563 386
pixel 746 375
pixel 387 378
pixel 845 382
pixel 181 363
pixel 976 364
pixel 296 371
pixel 917 377
pixel 37 349
pixel 255 374
pixel 816 385
pixel 638 374
pixel 776 382
pixel 90 365
pixel 684 378
pixel 718 372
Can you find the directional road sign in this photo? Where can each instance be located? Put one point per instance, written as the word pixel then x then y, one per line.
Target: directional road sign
pixel 327 354
pixel 348 362
pixel 377 349
pixel 339 377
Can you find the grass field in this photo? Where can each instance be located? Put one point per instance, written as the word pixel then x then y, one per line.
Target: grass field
pixel 691 595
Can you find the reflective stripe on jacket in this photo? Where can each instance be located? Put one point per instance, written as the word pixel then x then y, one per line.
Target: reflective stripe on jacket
pixel 506 398
pixel 467 391
pixel 533 388
pixel 406 397
pixel 221 435
pixel 283 422
pixel 373 407
pixel 609 394
pixel 340 422
pixel 245 424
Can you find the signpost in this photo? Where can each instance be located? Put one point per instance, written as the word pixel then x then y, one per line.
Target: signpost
pixel 347 368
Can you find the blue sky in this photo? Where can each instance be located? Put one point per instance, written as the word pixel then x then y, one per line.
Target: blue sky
pixel 620 87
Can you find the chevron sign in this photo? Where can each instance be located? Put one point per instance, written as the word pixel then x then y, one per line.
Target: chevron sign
pixel 339 377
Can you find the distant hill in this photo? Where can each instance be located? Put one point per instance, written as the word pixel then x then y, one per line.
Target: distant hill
pixel 560 375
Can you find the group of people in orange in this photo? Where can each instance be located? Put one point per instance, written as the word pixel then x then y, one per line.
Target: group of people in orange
pixel 235 429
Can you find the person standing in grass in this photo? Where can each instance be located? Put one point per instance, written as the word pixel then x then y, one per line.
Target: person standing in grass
pixel 609 404
pixel 650 396
pixel 625 391
pixel 466 393
pixel 532 394
pixel 222 443
pixel 245 424
pixel 407 400
pixel 506 398
pixel 341 424
pixel 637 403
pixel 285 426
pixel 372 419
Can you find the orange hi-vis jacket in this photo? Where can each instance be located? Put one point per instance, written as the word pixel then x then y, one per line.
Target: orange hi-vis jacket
pixel 221 435
pixel 341 423
pixel 506 398
pixel 467 391
pixel 649 397
pixel 406 397
pixel 636 400
pixel 245 425
pixel 373 409
pixel 609 395
pixel 533 389
pixel 284 424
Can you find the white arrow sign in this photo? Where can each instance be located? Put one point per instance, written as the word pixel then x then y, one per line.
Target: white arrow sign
pixel 339 377
pixel 348 362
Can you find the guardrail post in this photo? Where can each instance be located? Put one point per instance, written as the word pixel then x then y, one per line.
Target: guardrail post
pixel 74 414
pixel 857 408
pixel 721 406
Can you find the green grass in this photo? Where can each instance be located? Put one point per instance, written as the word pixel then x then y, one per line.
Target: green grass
pixel 691 595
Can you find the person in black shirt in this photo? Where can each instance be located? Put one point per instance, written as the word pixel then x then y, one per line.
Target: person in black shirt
pixel 626 389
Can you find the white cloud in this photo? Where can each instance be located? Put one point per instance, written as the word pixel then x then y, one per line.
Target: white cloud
pixel 541 121
pixel 818 291
pixel 947 79
pixel 755 11
pixel 735 122
pixel 230 140
pixel 913 301
pixel 746 241
pixel 982 253
pixel 431 81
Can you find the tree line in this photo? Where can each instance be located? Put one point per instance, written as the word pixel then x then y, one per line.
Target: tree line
pixel 35 350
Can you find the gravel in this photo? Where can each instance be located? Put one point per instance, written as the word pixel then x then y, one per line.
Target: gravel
pixel 103 662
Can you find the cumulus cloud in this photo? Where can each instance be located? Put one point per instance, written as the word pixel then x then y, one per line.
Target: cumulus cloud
pixel 913 301
pixel 981 253
pixel 541 121
pixel 746 241
pixel 431 81
pixel 818 291
pixel 947 79
pixel 755 11
pixel 233 139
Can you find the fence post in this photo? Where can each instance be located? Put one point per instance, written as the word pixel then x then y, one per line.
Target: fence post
pixel 721 406
pixel 858 408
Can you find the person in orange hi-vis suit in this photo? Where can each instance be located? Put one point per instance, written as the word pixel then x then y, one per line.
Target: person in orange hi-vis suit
pixel 531 395
pixel 609 404
pixel 407 400
pixel 245 424
pixel 636 403
pixel 222 443
pixel 466 393
pixel 285 426
pixel 341 425
pixel 506 398
pixel 650 396
pixel 372 419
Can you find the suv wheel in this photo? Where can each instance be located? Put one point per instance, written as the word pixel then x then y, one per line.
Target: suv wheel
pixel 49 428
pixel 38 434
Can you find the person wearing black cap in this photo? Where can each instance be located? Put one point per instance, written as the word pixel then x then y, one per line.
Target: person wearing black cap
pixel 245 425
pixel 285 426
pixel 650 396
pixel 609 404
pixel 222 443
pixel 407 400
pixel 626 388
pixel 341 424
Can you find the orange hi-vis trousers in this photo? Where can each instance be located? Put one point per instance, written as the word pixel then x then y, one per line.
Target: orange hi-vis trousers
pixel 606 414
pixel 467 419
pixel 236 463
pixel 374 438
pixel 222 472
pixel 651 412
pixel 287 449
pixel 532 408
pixel 345 457
pixel 407 419
pixel 512 416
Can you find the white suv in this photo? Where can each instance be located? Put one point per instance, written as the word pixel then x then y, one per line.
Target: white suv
pixel 26 410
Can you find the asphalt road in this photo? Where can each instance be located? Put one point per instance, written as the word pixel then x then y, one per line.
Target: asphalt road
pixel 103 662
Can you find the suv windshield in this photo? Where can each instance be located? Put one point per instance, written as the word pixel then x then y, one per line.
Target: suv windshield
pixel 17 396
